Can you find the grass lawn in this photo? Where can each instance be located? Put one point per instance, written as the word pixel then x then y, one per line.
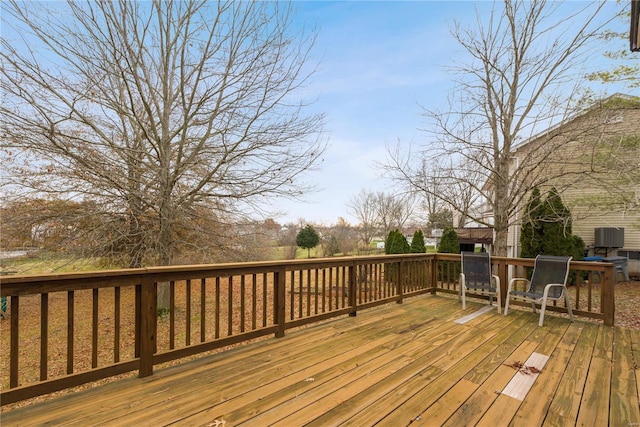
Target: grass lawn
pixel 49 263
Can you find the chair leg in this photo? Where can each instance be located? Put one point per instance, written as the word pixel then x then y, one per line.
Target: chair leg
pixel 464 300
pixel 567 302
pixel 506 305
pixel 542 309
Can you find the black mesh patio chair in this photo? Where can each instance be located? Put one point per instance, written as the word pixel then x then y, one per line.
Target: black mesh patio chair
pixel 476 278
pixel 548 282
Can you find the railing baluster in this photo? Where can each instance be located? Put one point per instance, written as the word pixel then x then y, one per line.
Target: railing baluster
pixel 217 308
pixel 230 306
pixel 116 324
pixel 579 284
pixel 203 311
pixel 264 300
pixel 188 313
pixel 44 334
pixel 292 287
pixel 362 284
pixel 317 290
pixel 254 302
pixel 242 302
pixel 279 314
pixel 589 293
pixel 94 329
pixel 172 314
pixel 324 290
pixel 138 321
pixel 308 293
pixel 70 330
pixel 340 287
pixel 331 285
pixel 300 293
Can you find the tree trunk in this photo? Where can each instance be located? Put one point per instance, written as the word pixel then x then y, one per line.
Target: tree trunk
pixel 165 248
pixel 500 244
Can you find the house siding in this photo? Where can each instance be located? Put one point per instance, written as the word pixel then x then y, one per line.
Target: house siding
pixel 590 191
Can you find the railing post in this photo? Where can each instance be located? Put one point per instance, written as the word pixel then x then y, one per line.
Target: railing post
pixel 433 266
pixel 279 306
pixel 148 322
pixel 401 278
pixel 608 296
pixel 353 287
pixel 504 280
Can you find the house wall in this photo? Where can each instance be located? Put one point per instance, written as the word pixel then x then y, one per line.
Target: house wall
pixel 591 184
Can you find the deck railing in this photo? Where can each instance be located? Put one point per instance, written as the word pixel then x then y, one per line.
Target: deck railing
pixel 109 322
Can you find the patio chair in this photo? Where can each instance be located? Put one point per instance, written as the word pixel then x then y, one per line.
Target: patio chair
pixel 476 277
pixel 548 282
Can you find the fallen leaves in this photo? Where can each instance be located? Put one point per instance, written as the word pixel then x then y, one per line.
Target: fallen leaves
pixel 522 368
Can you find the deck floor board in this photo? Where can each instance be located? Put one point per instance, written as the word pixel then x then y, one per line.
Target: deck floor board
pixel 393 365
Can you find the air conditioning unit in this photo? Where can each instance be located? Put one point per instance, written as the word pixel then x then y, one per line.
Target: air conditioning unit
pixel 609 237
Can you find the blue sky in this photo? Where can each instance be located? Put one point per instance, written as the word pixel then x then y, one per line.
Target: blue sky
pixel 379 62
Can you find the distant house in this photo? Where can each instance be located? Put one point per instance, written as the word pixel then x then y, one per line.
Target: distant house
pixel 599 161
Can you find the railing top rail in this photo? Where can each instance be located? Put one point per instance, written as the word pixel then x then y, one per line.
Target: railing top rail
pixel 35 283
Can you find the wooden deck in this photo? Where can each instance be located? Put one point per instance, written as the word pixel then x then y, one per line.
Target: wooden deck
pixel 399 364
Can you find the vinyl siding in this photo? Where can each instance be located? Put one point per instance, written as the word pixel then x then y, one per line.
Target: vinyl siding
pixel 579 149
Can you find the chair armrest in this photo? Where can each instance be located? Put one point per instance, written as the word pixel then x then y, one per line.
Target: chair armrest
pixel 545 293
pixel 497 280
pixel 516 279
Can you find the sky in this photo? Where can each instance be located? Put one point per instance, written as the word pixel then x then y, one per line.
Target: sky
pixel 380 64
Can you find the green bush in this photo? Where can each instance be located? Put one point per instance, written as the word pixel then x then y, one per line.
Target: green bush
pixel 417 243
pixel 556 227
pixel 531 229
pixel 396 243
pixel 547 230
pixel 449 243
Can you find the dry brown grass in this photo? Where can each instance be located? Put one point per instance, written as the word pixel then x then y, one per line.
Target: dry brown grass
pixel 627 302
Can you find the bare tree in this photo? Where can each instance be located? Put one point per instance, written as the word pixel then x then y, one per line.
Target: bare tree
pixel 363 207
pixel 439 187
pixel 393 211
pixel 344 235
pixel 170 116
pixel 380 212
pixel 520 79
pixel 427 186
